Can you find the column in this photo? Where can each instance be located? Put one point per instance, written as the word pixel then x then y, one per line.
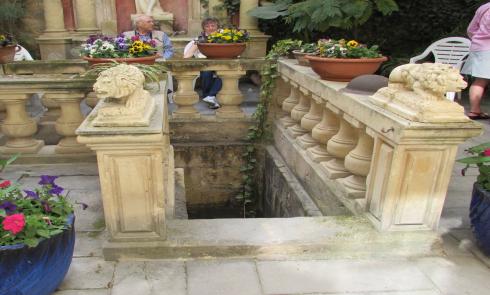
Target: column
pixel 185 98
pixel 358 162
pixel 230 97
pixel 18 126
pixel 310 120
pixel 339 146
pixel 70 119
pixel 322 132
pixel 298 112
pixel 248 22
pixel 53 17
pixel 86 17
pixel 289 103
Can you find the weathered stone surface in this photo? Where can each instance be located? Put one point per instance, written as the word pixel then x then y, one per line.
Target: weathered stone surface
pixel 149 278
pixel 222 278
pixel 284 196
pixel 89 244
pixel 84 292
pixel 291 277
pixel 88 273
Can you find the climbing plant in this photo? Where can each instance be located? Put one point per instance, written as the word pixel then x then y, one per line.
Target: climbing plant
pixel 258 132
pixel 11 12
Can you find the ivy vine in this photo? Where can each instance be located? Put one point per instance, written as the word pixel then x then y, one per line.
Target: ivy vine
pixel 257 133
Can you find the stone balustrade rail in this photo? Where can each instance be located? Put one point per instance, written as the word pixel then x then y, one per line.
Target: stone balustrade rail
pixel 393 170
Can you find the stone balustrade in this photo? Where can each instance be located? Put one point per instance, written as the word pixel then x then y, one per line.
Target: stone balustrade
pixel 377 163
pixel 230 97
pixel 63 89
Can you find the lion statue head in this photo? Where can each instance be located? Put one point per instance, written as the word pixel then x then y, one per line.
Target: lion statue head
pixel 429 80
pixel 119 82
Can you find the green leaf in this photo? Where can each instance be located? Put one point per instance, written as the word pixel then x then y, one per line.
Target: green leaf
pixel 43 233
pixel 474 160
pixel 386 6
pixel 31 242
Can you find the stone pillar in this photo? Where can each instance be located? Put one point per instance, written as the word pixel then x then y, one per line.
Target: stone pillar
pixel 54 42
pixel 322 132
pixel 358 162
pixel 309 121
pixel 339 146
pixel 288 105
pixel 86 17
pixel 248 22
pixel 54 23
pixel 18 126
pixel 230 97
pixel 134 170
pixel 298 112
pixel 185 97
pixel 71 117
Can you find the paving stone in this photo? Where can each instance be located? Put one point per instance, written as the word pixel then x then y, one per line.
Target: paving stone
pixel 428 292
pixel 92 218
pixel 149 278
pixel 84 292
pixel 89 244
pixel 454 218
pixel 88 273
pixel 453 247
pixel 222 277
pixel 457 275
pixel 292 277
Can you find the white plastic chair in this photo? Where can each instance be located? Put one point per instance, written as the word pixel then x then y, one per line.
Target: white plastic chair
pixel 452 50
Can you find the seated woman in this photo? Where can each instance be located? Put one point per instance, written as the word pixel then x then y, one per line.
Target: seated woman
pixel 210 83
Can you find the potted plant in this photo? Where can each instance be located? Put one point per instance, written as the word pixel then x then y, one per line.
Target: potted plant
pixel 224 43
pixel 480 197
pixel 103 49
pixel 8 47
pixel 341 60
pixel 305 49
pixel 37 237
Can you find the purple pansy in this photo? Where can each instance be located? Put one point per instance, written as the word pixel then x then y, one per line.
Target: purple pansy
pixel 47 179
pixel 31 194
pixel 8 207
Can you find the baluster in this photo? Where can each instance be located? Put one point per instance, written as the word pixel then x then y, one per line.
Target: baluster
pixel 70 118
pixel 288 105
pixel 358 162
pixel 230 97
pixel 309 121
pixel 18 126
pixel 298 112
pixel 91 99
pixel 339 146
pixel 185 97
pixel 53 108
pixel 322 132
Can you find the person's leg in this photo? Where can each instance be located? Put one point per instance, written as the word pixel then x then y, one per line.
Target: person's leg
pixel 216 85
pixel 206 82
pixel 477 89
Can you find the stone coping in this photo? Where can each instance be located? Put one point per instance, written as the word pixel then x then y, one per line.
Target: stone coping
pixel 358 109
pixel 37 83
pixel 156 123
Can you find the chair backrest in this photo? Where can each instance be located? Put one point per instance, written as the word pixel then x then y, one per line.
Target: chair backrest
pixel 452 50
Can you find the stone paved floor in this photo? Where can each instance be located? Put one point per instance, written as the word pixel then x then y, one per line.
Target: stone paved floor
pixel 463 270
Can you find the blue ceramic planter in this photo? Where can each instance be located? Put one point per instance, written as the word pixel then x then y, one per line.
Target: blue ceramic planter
pixel 480 217
pixel 39 270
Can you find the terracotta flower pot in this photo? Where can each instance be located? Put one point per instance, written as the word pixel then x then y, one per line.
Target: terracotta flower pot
pixel 300 56
pixel 7 53
pixel 344 69
pixel 221 50
pixel 147 60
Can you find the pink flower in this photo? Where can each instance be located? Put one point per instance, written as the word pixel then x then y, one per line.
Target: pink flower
pixel 5 183
pixel 14 223
pixel 486 152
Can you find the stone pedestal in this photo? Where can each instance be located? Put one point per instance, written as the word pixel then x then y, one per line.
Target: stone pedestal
pixel 134 167
pixel 54 43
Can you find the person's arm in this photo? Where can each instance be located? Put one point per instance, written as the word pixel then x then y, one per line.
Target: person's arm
pixel 168 49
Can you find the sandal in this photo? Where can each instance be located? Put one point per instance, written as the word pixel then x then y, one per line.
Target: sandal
pixel 478 116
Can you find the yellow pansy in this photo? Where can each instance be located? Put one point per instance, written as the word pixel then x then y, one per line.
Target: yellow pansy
pixel 352 43
pixel 227 37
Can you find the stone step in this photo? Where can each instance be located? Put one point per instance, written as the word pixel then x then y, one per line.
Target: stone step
pixel 312 237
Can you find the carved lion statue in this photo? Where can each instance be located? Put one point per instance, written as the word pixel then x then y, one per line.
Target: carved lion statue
pixel 429 80
pixel 122 85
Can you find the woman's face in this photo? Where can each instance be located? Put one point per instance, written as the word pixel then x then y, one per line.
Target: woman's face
pixel 210 27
